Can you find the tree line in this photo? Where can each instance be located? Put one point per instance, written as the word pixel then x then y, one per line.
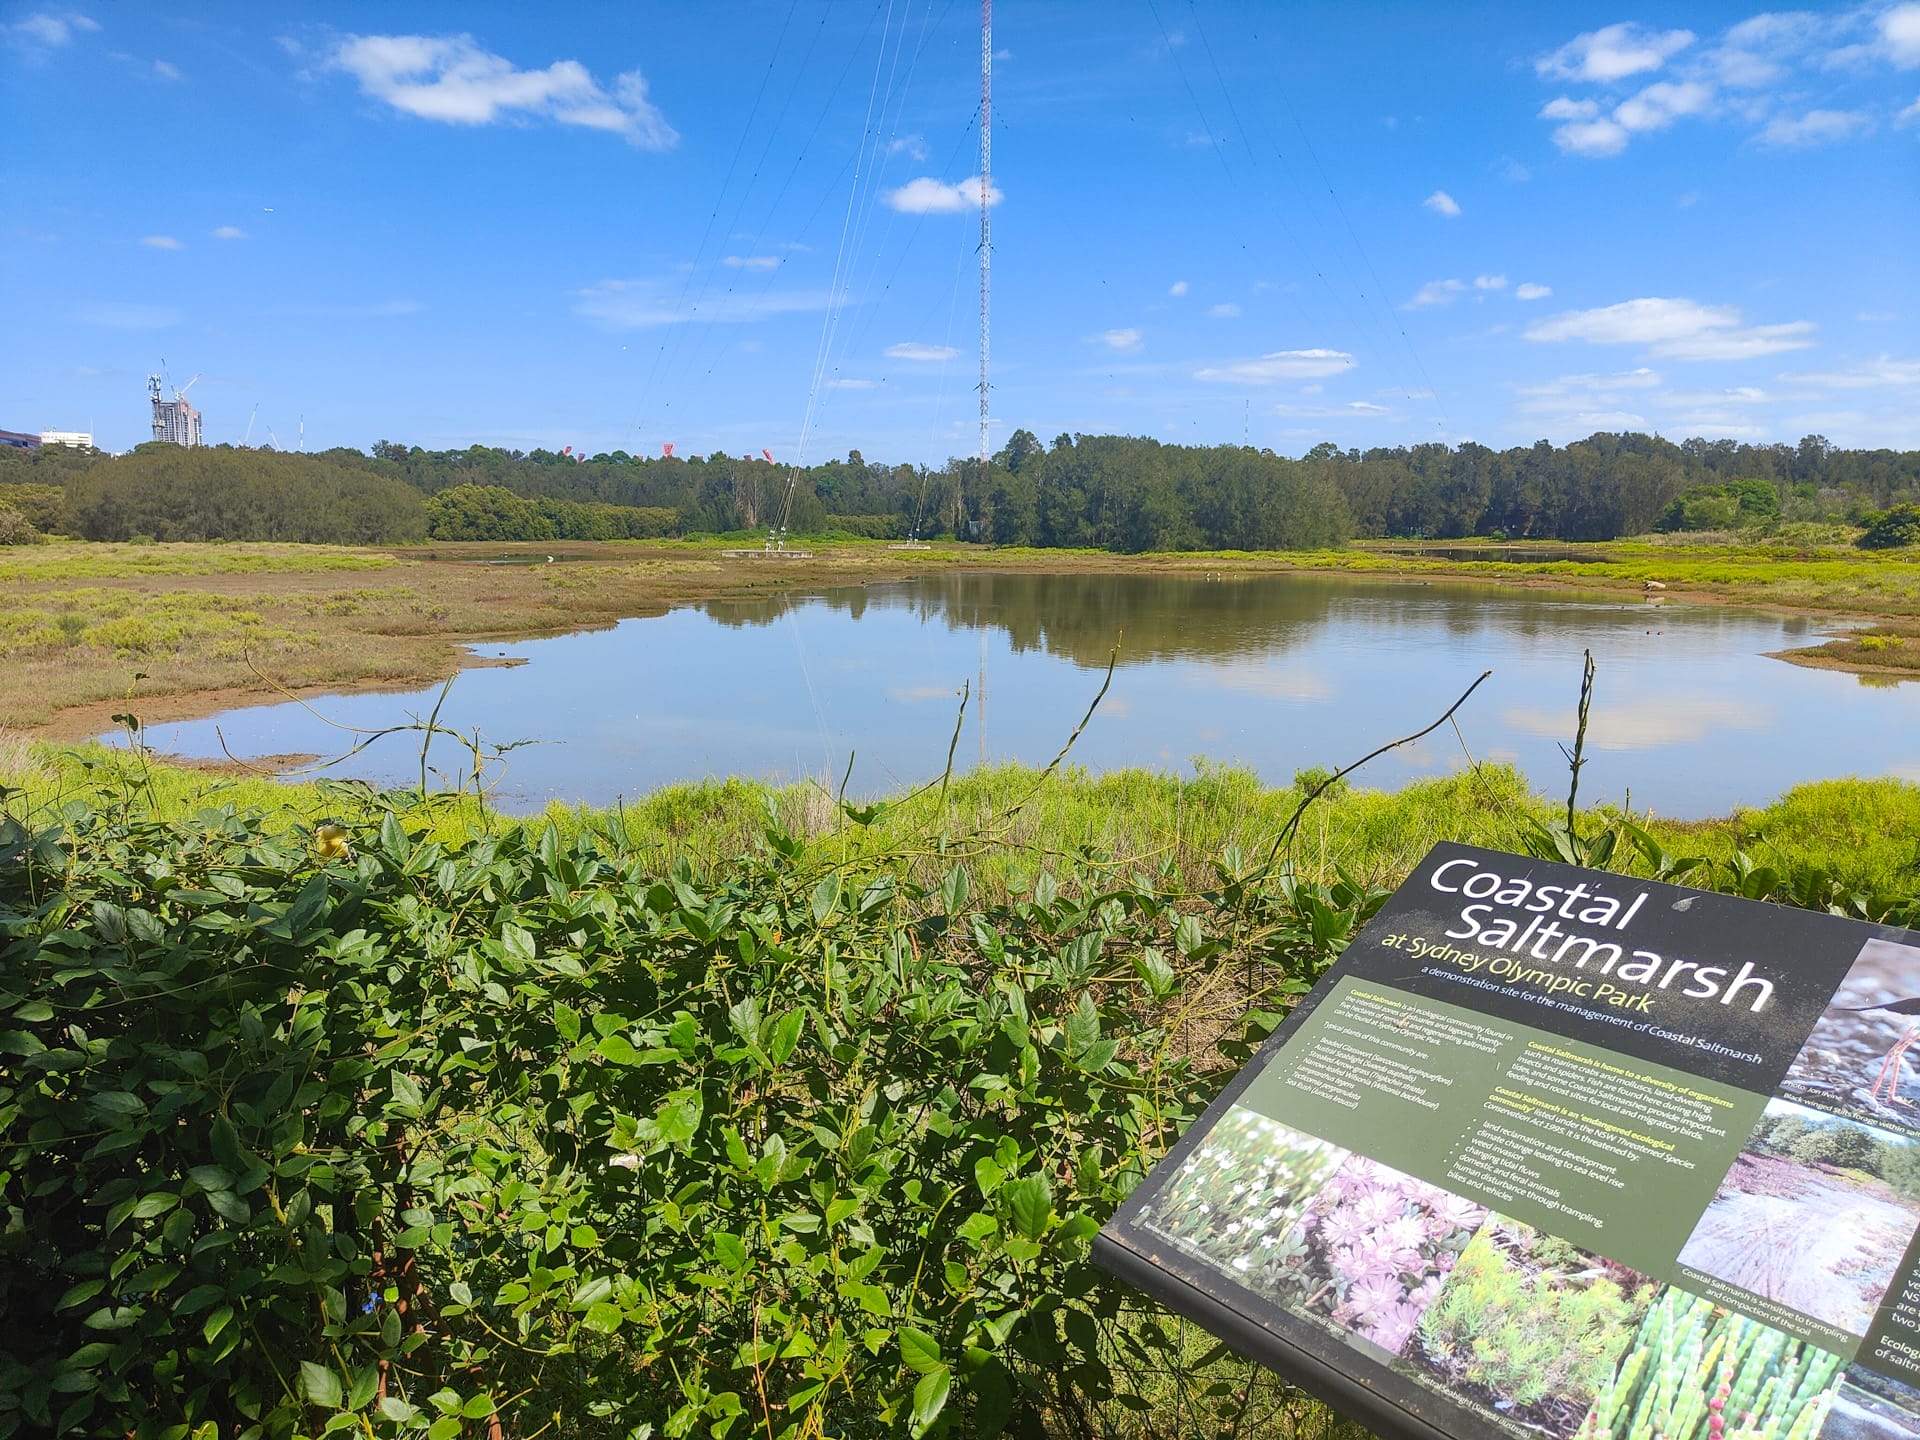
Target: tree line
pixel 1108 492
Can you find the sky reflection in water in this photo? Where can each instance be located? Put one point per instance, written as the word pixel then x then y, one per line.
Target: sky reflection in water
pixel 1276 673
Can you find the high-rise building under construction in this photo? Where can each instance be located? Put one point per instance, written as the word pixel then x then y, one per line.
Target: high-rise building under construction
pixel 174 421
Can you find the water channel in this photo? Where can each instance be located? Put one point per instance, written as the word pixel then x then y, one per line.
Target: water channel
pixel 1276 673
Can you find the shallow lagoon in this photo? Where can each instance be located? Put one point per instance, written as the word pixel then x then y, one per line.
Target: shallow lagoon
pixel 1273 672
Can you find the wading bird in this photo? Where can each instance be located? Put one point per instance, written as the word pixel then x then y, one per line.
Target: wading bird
pixel 1907 1009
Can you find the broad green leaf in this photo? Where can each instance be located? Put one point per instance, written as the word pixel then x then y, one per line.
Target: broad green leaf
pixel 566 1020
pixel 1030 1199
pixel 930 1398
pixel 604 1317
pixel 826 895
pixel 478 1406
pixel 216 1322
pixel 406 1092
pixel 320 1385
pixel 919 1351
pixel 786 1036
pixel 730 1250
pixel 617 1049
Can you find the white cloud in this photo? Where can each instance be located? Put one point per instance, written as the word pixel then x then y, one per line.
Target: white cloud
pixel 1531 291
pixel 1565 108
pixel 1226 310
pixel 1598 138
pixel 644 304
pixel 1674 329
pixel 1900 35
pixel 927 196
pixel 1613 53
pixel 1677 720
pixel 1434 292
pixel 1908 116
pixel 160 242
pixel 752 262
pixel 1660 104
pixel 912 350
pixel 1489 282
pixel 50 30
pixel 851 384
pixel 1280 365
pixel 1179 287
pixel 1442 203
pixel 229 232
pixel 912 146
pixel 1816 127
pixel 451 79
pixel 165 70
pixel 1512 171
pixel 1884 373
pixel 1125 341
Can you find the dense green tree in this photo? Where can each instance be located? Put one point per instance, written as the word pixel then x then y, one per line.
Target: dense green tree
pixel 485 512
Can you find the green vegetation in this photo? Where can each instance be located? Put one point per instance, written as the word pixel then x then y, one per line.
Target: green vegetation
pixel 733 1111
pixel 1698 1371
pixel 1531 1321
pixel 168 493
pixel 1101 492
pixel 1899 526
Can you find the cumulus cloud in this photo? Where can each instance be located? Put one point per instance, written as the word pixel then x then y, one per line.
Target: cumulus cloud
pixel 927 196
pixel 1434 292
pixel 1531 291
pixel 1179 287
pixel 1816 127
pixel 160 242
pixel 1442 203
pixel 453 80
pixel 1280 365
pixel 1675 329
pixel 1125 341
pixel 912 146
pixel 229 232
pixel 752 262
pixel 1597 138
pixel 1660 104
pixel 1226 310
pixel 1613 53
pixel 912 350
pixel 1900 35
pixel 1489 282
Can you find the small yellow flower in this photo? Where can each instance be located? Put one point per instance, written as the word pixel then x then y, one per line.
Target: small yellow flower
pixel 330 843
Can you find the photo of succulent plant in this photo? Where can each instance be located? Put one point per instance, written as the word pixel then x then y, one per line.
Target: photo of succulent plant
pixel 1698 1371
pixel 1529 1326
pixel 1238 1201
pixel 1379 1245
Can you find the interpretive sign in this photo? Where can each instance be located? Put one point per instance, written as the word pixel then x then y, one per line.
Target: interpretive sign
pixel 1551 1152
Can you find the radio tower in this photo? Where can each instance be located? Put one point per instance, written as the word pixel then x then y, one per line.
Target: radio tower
pixel 986 246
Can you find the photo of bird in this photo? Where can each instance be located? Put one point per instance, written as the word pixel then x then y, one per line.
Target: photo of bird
pixel 330 842
pixel 1854 1060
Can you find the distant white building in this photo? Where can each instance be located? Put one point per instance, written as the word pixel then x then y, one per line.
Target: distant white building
pixel 75 439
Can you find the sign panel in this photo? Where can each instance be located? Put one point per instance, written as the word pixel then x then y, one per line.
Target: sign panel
pixel 1556 1153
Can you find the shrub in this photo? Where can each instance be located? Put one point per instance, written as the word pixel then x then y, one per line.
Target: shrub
pixel 1899 526
pixel 395 1132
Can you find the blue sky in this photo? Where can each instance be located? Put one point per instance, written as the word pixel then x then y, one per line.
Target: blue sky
pixel 737 225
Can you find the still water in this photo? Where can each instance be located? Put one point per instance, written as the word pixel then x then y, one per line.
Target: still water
pixel 1276 673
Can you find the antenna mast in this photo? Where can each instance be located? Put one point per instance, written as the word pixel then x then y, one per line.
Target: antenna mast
pixel 986 247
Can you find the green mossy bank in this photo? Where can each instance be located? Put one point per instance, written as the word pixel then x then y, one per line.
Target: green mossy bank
pixel 737 1112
